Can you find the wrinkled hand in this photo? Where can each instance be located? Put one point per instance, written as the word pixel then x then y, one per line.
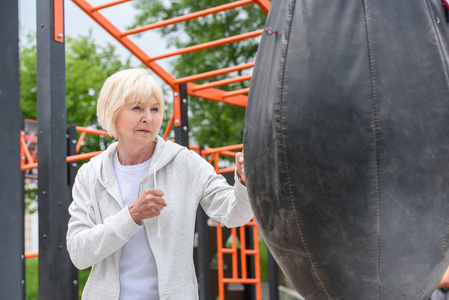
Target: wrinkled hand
pixel 240 167
pixel 148 205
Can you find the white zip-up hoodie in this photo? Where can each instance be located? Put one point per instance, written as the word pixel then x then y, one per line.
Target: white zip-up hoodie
pixel 100 226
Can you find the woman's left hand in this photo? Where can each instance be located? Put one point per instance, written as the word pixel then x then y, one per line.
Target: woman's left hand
pixel 240 167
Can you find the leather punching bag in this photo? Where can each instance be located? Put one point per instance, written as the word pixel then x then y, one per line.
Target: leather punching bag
pixel 347 146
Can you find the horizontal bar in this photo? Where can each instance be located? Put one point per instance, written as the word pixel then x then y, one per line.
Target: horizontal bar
pixel 217 95
pixel 225 170
pixel 70 158
pixel 228 153
pixel 222 82
pixel 251 252
pixel 83 156
pixel 227 250
pixel 108 5
pixel 241 280
pixel 31 254
pixel 220 42
pixel 214 73
pixel 225 148
pixel 237 92
pixel 28 167
pixel 92 131
pixel 188 17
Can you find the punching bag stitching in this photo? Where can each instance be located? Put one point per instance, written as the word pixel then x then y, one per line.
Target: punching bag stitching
pixel 376 136
pixel 282 146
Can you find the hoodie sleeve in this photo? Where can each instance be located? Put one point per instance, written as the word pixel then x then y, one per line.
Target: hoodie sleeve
pixel 226 204
pixel 89 243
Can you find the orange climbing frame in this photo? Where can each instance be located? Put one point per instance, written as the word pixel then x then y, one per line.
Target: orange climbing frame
pixel 207 91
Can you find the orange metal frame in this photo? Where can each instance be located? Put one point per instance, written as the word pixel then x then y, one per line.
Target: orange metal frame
pixel 214 156
pixel 207 91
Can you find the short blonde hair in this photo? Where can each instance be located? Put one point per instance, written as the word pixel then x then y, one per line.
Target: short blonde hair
pixel 132 86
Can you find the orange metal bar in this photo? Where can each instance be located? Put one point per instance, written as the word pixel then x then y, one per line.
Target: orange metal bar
pixel 228 153
pixel 214 73
pixel 191 16
pixel 29 167
pixel 80 141
pixel 217 95
pixel 220 42
pixel 58 21
pixel 239 280
pixel 221 149
pixel 83 156
pixel 222 82
pixel 235 266
pixel 243 252
pixel 92 131
pixel 24 148
pixel 169 124
pixel 264 5
pixel 225 170
pixel 113 3
pixel 31 254
pixel 216 158
pixel 126 42
pixel 237 92
pixel 220 262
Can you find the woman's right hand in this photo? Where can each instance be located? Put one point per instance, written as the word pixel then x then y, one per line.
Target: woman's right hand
pixel 148 205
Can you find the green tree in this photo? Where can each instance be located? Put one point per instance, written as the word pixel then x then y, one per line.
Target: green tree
pixel 87 67
pixel 212 124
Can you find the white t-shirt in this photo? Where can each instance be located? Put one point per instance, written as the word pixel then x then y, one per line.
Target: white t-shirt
pixel 138 274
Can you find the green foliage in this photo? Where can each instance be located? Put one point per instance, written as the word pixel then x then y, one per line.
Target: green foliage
pixel 87 67
pixel 212 124
pixel 32 283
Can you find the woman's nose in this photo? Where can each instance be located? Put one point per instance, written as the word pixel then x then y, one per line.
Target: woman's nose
pixel 147 117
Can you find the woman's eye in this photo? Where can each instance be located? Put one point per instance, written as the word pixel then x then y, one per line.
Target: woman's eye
pixel 155 109
pixel 136 107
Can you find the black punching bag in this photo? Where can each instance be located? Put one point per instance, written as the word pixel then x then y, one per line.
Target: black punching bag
pixel 347 146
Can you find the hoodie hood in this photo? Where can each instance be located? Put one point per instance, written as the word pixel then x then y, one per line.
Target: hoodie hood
pixel 103 165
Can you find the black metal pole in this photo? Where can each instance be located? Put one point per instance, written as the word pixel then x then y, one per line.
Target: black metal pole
pixel 273 276
pixel 203 252
pixel 182 131
pixel 250 289
pixel 12 278
pixel 182 138
pixel 71 174
pixel 55 266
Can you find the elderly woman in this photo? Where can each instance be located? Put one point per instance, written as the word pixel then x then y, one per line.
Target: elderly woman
pixel 134 205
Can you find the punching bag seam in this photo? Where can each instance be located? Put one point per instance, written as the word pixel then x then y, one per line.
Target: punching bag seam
pixel 376 137
pixel 282 146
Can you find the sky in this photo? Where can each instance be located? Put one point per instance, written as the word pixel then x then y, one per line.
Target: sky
pixel 77 22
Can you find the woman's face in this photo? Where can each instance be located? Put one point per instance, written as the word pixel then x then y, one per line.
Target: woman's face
pixel 139 124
